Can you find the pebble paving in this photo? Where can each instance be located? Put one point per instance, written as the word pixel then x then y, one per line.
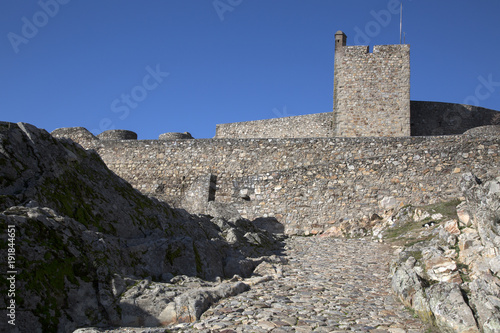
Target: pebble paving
pixel 328 285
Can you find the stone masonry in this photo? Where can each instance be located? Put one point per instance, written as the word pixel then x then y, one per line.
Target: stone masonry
pixel 371 90
pixel 317 125
pixel 304 184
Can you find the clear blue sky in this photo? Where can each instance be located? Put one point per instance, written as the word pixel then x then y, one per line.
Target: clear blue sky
pixel 160 66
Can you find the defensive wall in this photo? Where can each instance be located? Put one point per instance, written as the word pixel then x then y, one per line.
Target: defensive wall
pixel 435 118
pixel 316 125
pixel 306 184
pixel 427 119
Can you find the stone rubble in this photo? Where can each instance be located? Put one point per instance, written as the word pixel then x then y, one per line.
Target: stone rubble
pixel 326 285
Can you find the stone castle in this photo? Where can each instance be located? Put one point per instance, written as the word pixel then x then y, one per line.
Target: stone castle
pixel 308 172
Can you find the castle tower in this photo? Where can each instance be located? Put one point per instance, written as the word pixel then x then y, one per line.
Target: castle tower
pixel 340 43
pixel 371 90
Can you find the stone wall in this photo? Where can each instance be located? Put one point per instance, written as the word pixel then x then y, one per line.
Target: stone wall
pixel 434 118
pixel 372 91
pixel 307 126
pixel 303 183
pixel 427 119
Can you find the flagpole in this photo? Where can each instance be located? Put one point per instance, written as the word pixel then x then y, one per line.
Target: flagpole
pixel 401 25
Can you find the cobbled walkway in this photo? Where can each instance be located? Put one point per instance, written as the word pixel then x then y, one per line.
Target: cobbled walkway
pixel 328 285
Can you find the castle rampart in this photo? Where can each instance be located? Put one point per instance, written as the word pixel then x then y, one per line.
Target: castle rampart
pixel 307 126
pixel 435 118
pixel 306 184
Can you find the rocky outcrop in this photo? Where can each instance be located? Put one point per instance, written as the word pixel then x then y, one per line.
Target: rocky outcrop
pixel 407 285
pixel 453 272
pixel 90 250
pixel 483 201
pixel 450 310
pixel 182 300
pixel 189 307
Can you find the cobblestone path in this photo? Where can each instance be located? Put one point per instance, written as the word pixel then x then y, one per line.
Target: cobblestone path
pixel 328 285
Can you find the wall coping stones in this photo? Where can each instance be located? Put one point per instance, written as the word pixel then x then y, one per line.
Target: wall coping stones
pixel 493 130
pixel 117 135
pixel 175 136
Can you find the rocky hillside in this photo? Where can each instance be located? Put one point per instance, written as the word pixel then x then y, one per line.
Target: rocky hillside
pixel 86 249
pixel 448 269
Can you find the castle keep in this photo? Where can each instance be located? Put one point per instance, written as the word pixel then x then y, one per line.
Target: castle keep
pixel 309 172
pixel 371 90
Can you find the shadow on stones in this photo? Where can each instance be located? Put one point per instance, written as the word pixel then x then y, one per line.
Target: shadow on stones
pixel 269 224
pixel 136 317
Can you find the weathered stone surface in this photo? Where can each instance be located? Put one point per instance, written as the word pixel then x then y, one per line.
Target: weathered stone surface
pixel 79 135
pixel 469 245
pixel 388 203
pixel 463 215
pixel 420 215
pixel 154 304
pixel 485 298
pixel 325 285
pixel 442 269
pixel 484 201
pixel 407 286
pixel 316 125
pixel 189 306
pixel 273 266
pixel 451 312
pixel 444 236
pixel 225 211
pixel 452 227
